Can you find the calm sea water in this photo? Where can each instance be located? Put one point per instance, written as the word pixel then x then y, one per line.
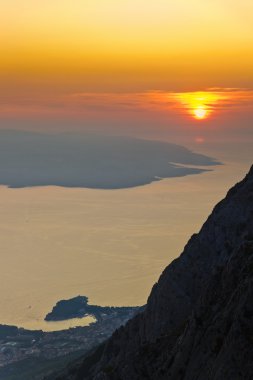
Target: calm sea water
pixel 57 243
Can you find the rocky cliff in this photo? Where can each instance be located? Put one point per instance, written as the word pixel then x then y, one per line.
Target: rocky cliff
pixel 198 323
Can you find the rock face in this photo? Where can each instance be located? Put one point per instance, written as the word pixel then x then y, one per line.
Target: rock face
pixel 198 323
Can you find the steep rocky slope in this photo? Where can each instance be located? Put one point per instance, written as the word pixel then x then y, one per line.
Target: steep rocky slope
pixel 198 323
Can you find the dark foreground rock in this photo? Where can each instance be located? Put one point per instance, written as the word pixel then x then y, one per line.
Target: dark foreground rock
pixel 198 323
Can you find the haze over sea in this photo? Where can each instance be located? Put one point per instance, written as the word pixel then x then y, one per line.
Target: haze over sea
pixel 95 198
pixel 110 245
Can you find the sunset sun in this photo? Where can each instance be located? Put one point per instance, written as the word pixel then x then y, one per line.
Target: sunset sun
pixel 122 124
pixel 200 104
pixel 200 113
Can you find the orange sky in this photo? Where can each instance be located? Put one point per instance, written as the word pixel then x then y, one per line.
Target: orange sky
pixel 125 45
pixel 173 70
pixel 128 65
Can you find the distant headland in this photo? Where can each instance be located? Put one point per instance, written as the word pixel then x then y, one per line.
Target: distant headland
pixel 78 307
pixel 85 160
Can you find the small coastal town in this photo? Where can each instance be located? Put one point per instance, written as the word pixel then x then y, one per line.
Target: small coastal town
pixel 20 346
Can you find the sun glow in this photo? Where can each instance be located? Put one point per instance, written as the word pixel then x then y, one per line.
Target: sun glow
pixel 200 113
pixel 200 105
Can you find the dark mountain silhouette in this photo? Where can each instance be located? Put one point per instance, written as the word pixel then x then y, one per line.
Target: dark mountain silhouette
pixel 198 322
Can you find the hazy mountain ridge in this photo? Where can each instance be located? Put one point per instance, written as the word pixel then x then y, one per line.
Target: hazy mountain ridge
pixel 198 320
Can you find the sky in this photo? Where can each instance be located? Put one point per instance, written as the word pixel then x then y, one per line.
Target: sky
pixel 175 71
pixel 56 52
pixel 136 44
